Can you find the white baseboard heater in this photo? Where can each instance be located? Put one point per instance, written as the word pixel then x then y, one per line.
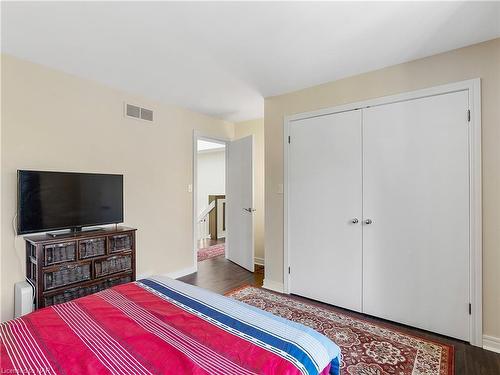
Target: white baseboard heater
pixel 23 299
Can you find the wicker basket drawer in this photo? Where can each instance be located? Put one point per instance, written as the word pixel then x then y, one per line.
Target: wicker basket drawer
pixel 57 253
pixel 69 294
pixel 66 275
pixel 108 283
pixel 120 242
pixel 77 292
pixel 114 264
pixel 92 248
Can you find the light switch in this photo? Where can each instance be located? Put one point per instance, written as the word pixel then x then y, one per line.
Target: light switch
pixel 280 188
pixel 190 188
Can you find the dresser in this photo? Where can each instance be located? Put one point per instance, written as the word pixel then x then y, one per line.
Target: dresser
pixel 78 264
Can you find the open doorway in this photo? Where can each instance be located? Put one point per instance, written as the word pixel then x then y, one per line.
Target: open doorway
pixel 223 202
pixel 210 199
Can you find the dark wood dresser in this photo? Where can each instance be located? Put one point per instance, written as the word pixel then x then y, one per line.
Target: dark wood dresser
pixel 75 265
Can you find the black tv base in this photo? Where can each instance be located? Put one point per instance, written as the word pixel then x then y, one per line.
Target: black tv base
pixel 74 232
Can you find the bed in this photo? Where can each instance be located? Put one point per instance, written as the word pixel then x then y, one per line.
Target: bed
pixel 162 326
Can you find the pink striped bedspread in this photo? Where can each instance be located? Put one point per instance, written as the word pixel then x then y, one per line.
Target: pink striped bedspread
pixel 161 326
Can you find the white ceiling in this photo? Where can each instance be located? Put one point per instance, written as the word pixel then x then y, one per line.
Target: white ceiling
pixel 209 146
pixel 223 58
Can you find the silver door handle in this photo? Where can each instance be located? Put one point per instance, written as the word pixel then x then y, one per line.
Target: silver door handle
pixel 249 209
pixel 355 220
pixel 367 221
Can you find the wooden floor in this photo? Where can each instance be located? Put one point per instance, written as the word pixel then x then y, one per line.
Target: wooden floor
pixel 220 275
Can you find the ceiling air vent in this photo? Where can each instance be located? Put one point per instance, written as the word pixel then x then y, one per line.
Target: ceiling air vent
pixel 138 112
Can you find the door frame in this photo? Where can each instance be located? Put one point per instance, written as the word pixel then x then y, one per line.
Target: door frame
pixel 473 87
pixel 198 135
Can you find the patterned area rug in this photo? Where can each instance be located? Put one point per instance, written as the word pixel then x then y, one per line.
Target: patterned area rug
pixel 210 252
pixel 367 348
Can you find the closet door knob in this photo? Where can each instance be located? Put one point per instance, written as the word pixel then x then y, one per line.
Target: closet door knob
pixel 367 221
pixel 355 220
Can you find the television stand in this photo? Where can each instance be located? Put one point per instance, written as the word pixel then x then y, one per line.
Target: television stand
pixel 74 232
pixel 73 266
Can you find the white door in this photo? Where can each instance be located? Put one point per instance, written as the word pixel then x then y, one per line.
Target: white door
pixel 324 205
pixel 416 193
pixel 239 203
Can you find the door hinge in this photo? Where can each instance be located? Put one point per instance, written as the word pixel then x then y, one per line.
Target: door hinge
pixel 470 308
pixel 288 139
pixel 288 270
pixel 468 115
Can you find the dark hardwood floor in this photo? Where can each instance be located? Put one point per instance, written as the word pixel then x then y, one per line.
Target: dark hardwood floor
pixel 220 275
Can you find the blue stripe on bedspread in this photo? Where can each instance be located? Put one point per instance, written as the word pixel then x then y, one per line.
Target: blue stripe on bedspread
pixel 307 349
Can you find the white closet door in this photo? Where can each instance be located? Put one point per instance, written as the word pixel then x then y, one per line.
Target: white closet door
pixel 416 192
pixel 324 198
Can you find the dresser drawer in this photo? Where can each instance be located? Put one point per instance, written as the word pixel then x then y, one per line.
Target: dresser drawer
pixel 77 292
pixel 91 248
pixel 114 264
pixel 58 253
pixel 69 294
pixel 120 242
pixel 65 275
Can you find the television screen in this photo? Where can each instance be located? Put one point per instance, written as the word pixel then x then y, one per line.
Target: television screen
pixel 61 200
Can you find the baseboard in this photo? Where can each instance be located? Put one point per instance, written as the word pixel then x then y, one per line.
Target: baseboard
pixel 181 273
pixel 491 343
pixel 258 261
pixel 144 275
pixel 273 285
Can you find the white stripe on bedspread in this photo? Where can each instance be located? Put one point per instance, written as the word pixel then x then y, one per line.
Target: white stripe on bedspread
pixel 23 350
pixel 111 354
pixel 208 359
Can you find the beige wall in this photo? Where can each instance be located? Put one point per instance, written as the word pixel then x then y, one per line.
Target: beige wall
pixel 54 121
pixel 481 60
pixel 211 178
pixel 256 127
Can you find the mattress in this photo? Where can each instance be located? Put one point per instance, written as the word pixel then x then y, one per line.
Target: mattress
pixel 162 326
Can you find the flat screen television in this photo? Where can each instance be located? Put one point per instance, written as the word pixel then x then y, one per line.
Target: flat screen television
pixel 65 200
